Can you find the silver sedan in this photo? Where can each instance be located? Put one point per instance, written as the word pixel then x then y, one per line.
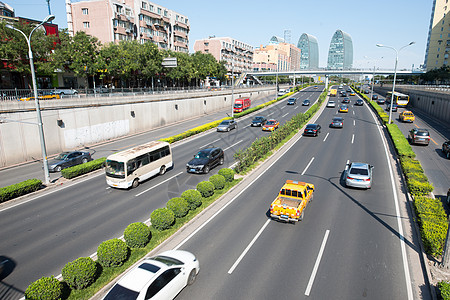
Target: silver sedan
pixel 358 175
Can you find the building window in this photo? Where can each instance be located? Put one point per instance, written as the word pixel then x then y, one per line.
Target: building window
pixel 159 11
pixel 84 11
pixel 165 13
pixel 144 5
pixel 119 9
pixel 151 7
pixel 86 24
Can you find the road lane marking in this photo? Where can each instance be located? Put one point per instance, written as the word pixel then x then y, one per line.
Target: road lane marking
pixel 353 138
pixel 271 113
pixel 158 184
pixel 353 112
pixel 284 115
pixel 433 141
pixel 248 247
pixel 398 216
pixel 353 122
pixel 232 145
pixel 303 173
pixel 316 265
pixel 207 145
pixel 326 137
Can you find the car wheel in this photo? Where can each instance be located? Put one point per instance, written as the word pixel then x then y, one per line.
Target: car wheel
pixel 221 161
pixel 302 215
pixel 206 170
pixel 192 277
pixel 448 155
pixel 312 197
pixel 135 183
pixel 58 169
pixel 84 160
pixel 228 129
pixel 162 170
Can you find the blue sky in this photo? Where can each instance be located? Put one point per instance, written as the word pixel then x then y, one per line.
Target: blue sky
pixel 390 22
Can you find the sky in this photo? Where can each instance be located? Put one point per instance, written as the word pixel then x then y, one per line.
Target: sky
pixel 394 23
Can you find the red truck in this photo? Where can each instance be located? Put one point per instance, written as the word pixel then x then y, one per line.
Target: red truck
pixel 241 104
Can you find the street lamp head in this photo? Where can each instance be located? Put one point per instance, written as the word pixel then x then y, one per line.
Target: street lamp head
pixel 9 26
pixel 49 18
pixel 380 45
pixel 412 43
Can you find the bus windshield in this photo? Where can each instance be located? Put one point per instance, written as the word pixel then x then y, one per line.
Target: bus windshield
pixel 115 169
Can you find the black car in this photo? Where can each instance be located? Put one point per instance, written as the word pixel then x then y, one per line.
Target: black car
pixel 346 100
pixel 394 107
pixel 374 97
pixel 381 101
pixel 259 121
pixel 306 102
pixel 446 149
pixel 312 129
pixel 292 101
pixel 205 160
pixel 344 94
pixel 359 102
pixel 337 122
pixel 68 159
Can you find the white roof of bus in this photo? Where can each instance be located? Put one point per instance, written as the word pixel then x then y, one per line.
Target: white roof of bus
pixel 125 155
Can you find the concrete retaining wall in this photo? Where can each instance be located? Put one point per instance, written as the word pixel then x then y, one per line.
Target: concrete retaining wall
pixel 76 123
pixel 433 103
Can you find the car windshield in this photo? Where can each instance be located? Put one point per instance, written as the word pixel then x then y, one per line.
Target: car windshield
pixel 226 122
pixel 359 171
pixel 258 119
pixel 202 154
pixel 270 123
pixel 311 126
pixel 237 105
pixel 115 169
pixel 121 293
pixel 343 106
pixel 331 102
pixel 337 120
pixel 169 261
pixel 422 133
pixel 62 156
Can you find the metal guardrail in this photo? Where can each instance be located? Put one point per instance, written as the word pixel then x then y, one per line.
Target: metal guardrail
pixel 49 94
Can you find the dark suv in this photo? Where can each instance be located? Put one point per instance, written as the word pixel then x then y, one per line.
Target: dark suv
pixel 446 149
pixel 419 136
pixel 205 160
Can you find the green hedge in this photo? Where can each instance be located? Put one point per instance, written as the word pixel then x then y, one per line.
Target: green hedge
pixel 162 218
pixel 112 253
pixel 400 142
pixel 179 206
pixel 80 273
pixel 137 235
pixel 444 288
pixel 193 198
pixel 227 173
pixel 19 189
pixel 218 181
pixel 205 188
pixel 78 170
pixel 433 224
pixel 46 288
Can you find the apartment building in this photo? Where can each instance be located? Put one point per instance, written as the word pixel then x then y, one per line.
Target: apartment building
pixel 128 20
pixel 438 42
pixel 284 56
pixel 236 54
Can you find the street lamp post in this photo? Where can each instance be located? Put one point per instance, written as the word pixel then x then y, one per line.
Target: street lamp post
pixel 232 89
pixel 36 100
pixel 395 74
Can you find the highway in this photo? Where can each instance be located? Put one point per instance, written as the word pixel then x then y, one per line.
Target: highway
pixel 42 233
pixel 347 246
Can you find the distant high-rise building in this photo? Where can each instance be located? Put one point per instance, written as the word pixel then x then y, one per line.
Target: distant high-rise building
pixel 229 50
pixel 309 52
pixel 438 42
pixel 340 54
pixel 144 21
pixel 6 10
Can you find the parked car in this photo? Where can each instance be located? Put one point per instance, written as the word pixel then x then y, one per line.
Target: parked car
pixel 446 149
pixel 271 125
pixel 227 125
pixel 331 103
pixel 306 102
pixel 312 129
pixel 259 121
pixel 292 101
pixel 358 175
pixel 205 160
pixel 419 136
pixel 159 277
pixel 359 102
pixel 337 122
pixel 68 159
pixel 64 91
pixel 394 107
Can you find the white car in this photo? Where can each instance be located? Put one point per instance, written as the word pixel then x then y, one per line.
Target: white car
pixel 64 91
pixel 159 277
pixel 331 103
pixel 359 175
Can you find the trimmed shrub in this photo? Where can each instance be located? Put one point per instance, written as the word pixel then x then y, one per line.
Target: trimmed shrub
pixel 419 188
pixel 137 235
pixel 46 288
pixel 83 168
pixel 401 144
pixel 80 273
pixel 162 218
pixel 433 224
pixel 205 188
pixel 444 288
pixel 218 181
pixel 193 198
pixel 227 173
pixel 19 189
pixel 179 206
pixel 410 165
pixel 112 253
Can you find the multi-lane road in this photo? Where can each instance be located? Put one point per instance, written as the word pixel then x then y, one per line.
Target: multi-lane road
pixel 40 234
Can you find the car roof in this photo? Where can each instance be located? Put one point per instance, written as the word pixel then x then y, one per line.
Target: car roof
pixel 338 118
pixel 140 276
pixel 272 120
pixel 359 165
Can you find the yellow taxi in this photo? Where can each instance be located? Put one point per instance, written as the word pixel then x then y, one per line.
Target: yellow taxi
pixel 271 125
pixel 343 108
pixel 44 97
pixel 352 93
pixel 407 116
